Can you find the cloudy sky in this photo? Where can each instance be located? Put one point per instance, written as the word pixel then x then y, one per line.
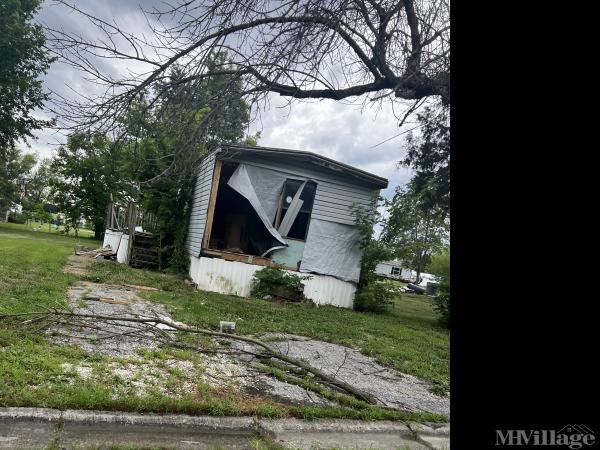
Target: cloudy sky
pixel 339 130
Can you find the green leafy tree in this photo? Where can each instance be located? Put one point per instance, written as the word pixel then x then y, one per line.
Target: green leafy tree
pixel 429 155
pixel 164 177
pixel 417 227
pixel 36 186
pixel 89 169
pixel 72 219
pixel 374 250
pixel 371 295
pixel 15 168
pixel 145 164
pixel 22 60
pixel 217 100
pixel 42 216
pixel 192 116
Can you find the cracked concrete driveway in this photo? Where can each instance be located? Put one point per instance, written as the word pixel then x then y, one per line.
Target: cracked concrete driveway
pixel 390 387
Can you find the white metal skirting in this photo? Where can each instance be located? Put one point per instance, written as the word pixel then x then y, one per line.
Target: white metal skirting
pixel 119 242
pixel 234 278
pixel 123 252
pixel 112 238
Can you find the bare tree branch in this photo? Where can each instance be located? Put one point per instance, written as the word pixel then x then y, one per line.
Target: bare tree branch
pixel 152 322
pixel 301 49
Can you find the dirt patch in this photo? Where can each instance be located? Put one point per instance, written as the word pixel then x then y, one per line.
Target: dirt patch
pixel 78 265
pixel 172 377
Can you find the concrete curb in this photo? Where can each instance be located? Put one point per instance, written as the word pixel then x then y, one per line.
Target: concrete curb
pixel 24 428
pixel 336 425
pixel 33 414
pixel 436 436
pixel 204 423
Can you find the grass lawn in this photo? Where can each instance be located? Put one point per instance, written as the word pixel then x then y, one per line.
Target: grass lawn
pixel 408 338
pixel 43 228
pixel 33 373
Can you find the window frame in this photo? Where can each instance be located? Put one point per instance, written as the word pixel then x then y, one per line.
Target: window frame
pixel 280 208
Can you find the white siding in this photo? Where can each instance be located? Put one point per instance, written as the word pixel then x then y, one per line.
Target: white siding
pixel 384 269
pixel 234 278
pixel 225 277
pixel 200 204
pixel 326 290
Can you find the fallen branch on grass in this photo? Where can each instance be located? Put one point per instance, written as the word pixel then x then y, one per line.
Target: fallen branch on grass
pixel 152 326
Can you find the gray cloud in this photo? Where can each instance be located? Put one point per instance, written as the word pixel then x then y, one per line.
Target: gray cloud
pixel 340 131
pixel 335 129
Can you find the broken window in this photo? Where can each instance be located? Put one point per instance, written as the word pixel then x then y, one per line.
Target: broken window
pixel 395 270
pixel 296 204
pixel 240 221
pixel 247 203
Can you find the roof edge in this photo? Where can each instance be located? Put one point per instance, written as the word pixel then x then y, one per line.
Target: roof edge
pixel 378 181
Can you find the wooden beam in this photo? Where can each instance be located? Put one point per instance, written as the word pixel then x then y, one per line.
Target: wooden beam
pixel 211 204
pixel 109 215
pixel 279 206
pixel 243 257
pixel 240 257
pixel 131 221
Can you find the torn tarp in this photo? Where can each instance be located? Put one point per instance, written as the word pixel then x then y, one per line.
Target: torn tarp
pixel 261 187
pixel 332 249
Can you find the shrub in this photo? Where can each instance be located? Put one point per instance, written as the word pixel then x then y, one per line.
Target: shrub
pixel 274 281
pixel 372 295
pixel 17 217
pixel 375 297
pixel 440 266
pixel 442 301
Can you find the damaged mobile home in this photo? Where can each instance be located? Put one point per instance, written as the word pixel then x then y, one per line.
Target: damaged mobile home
pixel 257 206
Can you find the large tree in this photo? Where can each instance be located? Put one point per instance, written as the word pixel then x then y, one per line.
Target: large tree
pixel 22 60
pixel 336 49
pixel 192 117
pixel 89 169
pixel 36 186
pixel 225 114
pixel 145 161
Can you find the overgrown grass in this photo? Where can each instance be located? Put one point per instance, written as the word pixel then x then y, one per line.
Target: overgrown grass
pixel 32 369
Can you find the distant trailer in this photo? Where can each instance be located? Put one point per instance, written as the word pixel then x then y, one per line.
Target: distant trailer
pixel 394 270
